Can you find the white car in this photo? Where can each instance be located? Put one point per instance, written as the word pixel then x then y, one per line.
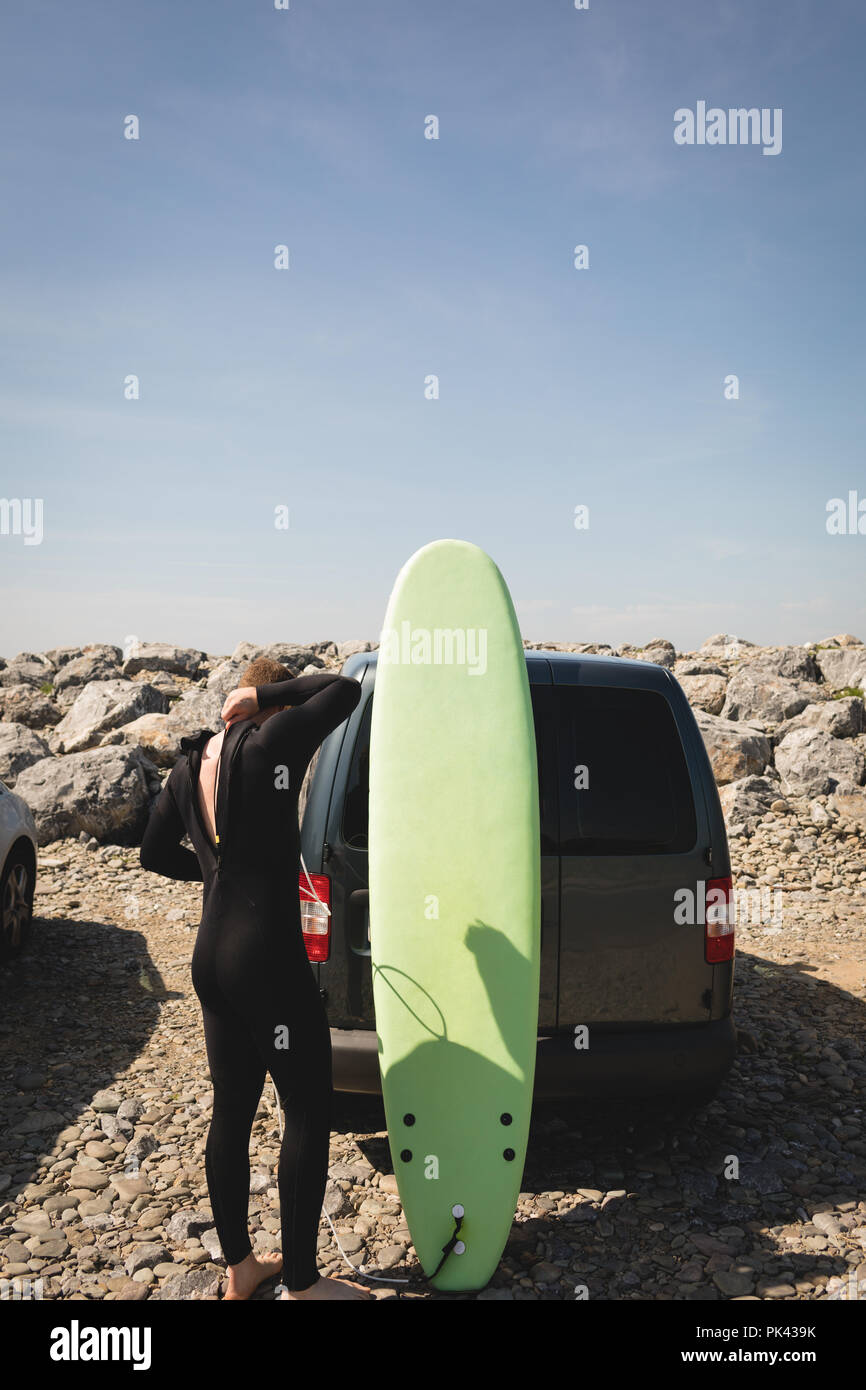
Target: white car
pixel 17 871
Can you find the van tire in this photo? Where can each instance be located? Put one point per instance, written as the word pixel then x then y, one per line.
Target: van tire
pixel 17 884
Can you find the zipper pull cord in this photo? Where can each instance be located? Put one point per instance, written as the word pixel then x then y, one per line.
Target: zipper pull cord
pixel 215 790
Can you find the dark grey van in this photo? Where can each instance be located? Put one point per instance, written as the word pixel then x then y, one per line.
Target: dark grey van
pixel 636 989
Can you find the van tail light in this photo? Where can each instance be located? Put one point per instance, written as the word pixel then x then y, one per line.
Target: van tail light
pixel 315 922
pixel 719 920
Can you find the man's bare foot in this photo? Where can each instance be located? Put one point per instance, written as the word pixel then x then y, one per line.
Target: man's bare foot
pixel 327 1288
pixel 245 1278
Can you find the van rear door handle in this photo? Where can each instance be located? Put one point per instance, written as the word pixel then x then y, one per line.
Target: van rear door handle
pixel 358 921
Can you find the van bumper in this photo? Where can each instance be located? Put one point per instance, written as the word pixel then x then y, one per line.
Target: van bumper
pixel 634 1063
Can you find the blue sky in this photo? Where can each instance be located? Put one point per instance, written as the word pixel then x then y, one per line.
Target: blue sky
pixel 409 257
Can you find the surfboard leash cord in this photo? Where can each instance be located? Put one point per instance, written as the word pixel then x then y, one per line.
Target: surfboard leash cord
pixel 356 1269
pixel 446 1249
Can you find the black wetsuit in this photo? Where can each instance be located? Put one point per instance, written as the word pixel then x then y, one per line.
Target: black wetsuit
pixel 259 999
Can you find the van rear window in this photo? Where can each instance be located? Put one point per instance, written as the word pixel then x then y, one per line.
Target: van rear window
pixel 635 797
pixel 624 785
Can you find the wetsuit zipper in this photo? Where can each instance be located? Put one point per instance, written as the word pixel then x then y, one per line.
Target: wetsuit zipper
pixel 216 849
pixel 220 839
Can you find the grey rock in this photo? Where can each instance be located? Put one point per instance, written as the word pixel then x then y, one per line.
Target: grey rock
pixel 185 1224
pixel 115 1128
pixel 83 669
pixel 705 692
pixel 107 1101
pixel 27 668
pixel 225 677
pixel 196 1284
pixel 726 646
pixel 145 1257
pixel 849 806
pixel 758 694
pixel 735 750
pixel 92 1178
pixel 59 656
pixel 390 1255
pixel 25 704
pixel 130 1109
pixel 813 763
pixel 128 1188
pixel 140 1148
pixel 195 710
pixel 690 666
pixel 53 1248
pixel 347 649
pixel 105 792
pixel 105 705
pixel 19 747
pixel 161 656
pixel 336 1202
pixel 211 1242
pixel 843 667
pixel 827 1223
pixel 747 799
pixel 660 651
pixel 845 718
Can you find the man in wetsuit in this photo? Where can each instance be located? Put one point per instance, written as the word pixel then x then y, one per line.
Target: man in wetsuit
pixel 235 794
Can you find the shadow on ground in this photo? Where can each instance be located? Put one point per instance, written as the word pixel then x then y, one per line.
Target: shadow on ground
pixel 783 1137
pixel 76 1008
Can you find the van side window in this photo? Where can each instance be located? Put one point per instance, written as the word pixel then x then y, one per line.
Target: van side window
pixel 357 800
pixel 624 785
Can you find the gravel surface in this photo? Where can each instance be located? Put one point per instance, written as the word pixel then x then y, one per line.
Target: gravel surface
pixel 106 1100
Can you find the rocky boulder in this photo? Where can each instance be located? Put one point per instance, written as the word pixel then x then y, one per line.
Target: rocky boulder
pixel 724 645
pixel 161 656
pixel 85 668
pixel 225 676
pixel 19 747
pixel 843 667
pixel 753 692
pixel 25 704
pixel 27 668
pixel 104 705
pixel 150 733
pixel 289 654
pixel 793 663
pixel 735 750
pixel 660 651
pixel 106 792
pixel 196 709
pixel 59 656
pixel 347 649
pixel 845 718
pixel 849 806
pixel 159 735
pixel 745 801
pixel 705 692
pixel 813 763
pixel 688 666
pixel 327 650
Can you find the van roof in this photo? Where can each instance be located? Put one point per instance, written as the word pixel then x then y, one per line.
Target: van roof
pixel 611 670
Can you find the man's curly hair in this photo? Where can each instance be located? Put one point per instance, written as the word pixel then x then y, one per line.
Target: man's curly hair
pixel 263 671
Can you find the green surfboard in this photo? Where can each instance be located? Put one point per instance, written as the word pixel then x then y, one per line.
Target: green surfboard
pixel 454 904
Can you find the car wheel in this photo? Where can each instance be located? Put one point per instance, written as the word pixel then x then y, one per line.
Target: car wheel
pixel 16 904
